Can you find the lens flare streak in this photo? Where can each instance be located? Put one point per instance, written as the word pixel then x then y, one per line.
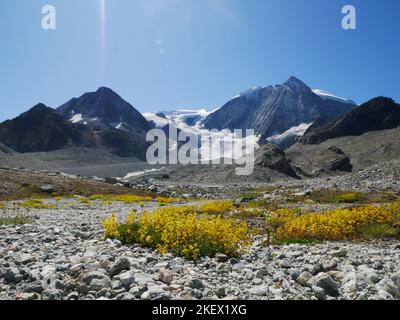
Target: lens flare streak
pixel 103 39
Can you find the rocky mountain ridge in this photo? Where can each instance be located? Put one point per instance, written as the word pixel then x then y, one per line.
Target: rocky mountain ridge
pixel 42 129
pixel 273 110
pixel 377 114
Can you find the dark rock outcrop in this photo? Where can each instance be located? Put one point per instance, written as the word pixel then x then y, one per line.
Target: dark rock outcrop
pixel 377 114
pixel 270 156
pixel 42 129
pixel 123 143
pixel 339 162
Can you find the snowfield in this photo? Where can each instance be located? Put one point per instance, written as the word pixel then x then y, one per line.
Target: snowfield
pixel 327 95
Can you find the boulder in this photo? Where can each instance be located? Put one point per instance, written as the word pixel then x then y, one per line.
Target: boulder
pixel 270 156
pixel 121 264
pixel 49 189
pixel 326 282
pixel 165 276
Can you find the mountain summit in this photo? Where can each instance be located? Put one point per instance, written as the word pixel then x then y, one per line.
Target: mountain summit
pixel 103 108
pixel 295 83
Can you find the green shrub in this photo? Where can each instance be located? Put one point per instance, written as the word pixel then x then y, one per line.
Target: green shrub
pixel 15 220
pixel 378 231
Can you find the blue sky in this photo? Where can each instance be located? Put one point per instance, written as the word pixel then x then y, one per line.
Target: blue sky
pixel 167 54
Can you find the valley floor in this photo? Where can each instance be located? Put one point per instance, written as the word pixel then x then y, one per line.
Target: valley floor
pixel 61 254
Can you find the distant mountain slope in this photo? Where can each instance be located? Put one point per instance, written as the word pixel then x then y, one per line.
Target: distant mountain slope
pixel 273 110
pixel 377 114
pixel 4 149
pixel 104 108
pixel 368 149
pixel 119 126
pixel 42 129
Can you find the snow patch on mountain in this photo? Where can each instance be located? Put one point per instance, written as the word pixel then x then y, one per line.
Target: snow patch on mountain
pixel 140 173
pixel 226 145
pixel 249 92
pixel 184 119
pixel 157 121
pixel 327 95
pixel 213 145
pixel 299 131
pixel 76 118
pixel 252 90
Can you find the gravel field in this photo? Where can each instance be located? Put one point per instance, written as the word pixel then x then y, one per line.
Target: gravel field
pixel 62 255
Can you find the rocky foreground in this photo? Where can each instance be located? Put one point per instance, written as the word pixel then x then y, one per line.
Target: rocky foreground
pixel 61 255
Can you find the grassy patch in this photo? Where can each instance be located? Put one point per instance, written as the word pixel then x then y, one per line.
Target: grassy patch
pixel 166 200
pixel 257 203
pixel 131 198
pixel 249 196
pixel 338 196
pixel 382 197
pixel 15 220
pixel 348 197
pixel 289 241
pixel 378 231
pixel 249 213
pixel 84 201
pixel 126 198
pixel 266 189
pixel 188 231
pixel 36 204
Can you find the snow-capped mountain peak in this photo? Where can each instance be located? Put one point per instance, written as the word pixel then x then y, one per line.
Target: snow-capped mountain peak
pixel 103 107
